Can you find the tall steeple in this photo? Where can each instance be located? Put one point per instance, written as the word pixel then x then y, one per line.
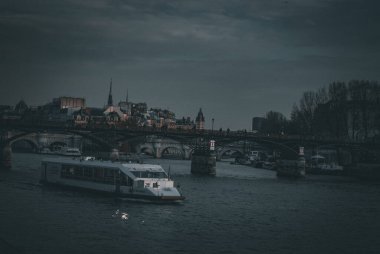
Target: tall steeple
pixel 110 101
pixel 200 120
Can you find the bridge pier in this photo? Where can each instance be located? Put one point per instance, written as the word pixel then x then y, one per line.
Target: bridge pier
pixel 187 154
pixel 157 149
pixel 5 156
pixel 203 164
pixel 157 153
pixel 203 161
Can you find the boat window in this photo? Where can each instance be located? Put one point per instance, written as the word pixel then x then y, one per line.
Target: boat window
pixel 158 175
pixel 145 175
pixel 92 174
pixel 97 174
pixel 126 180
pixel 109 172
pixel 149 174
pixel 136 173
pixel 88 172
pixel 71 171
pixel 140 184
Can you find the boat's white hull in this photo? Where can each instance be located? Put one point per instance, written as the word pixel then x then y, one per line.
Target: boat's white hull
pixel 53 173
pixel 124 192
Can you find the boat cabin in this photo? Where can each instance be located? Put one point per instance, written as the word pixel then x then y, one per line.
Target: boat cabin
pixel 126 179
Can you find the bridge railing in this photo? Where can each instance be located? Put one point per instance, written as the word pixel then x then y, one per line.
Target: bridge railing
pixel 68 125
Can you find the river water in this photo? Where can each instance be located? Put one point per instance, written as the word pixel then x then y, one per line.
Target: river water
pixel 241 210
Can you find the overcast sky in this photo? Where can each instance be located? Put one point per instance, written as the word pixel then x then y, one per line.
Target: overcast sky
pixel 234 58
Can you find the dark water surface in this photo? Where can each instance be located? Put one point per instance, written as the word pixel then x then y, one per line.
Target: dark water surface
pixel 241 210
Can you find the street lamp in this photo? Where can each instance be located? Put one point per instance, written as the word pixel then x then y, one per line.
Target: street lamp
pixel 212 125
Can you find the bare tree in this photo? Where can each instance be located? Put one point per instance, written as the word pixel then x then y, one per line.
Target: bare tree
pixel 338 109
pixel 307 106
pixel 275 122
pixel 354 106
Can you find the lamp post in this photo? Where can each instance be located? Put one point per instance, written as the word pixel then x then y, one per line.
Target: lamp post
pixel 212 125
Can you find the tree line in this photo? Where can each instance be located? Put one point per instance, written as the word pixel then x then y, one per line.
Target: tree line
pixel 340 110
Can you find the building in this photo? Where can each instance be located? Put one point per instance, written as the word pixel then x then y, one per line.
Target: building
pixel 114 115
pixel 81 117
pixel 200 120
pixel 69 102
pixel 185 124
pixel 8 113
pixel 97 117
pixel 5 108
pixel 136 114
pixel 125 106
pixel 138 108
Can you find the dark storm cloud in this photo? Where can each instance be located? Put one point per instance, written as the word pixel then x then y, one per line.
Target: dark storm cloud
pixel 236 59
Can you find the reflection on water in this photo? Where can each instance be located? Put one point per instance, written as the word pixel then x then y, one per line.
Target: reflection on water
pixel 241 210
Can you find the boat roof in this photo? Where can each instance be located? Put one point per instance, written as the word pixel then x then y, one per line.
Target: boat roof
pixel 143 167
pixel 124 167
pixel 317 157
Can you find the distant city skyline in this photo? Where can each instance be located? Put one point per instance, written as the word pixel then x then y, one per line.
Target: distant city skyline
pixel 234 59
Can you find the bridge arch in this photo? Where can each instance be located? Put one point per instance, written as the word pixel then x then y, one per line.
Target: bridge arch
pixel 173 151
pixel 146 149
pixel 32 144
pixel 34 137
pixel 91 136
pixel 287 149
pixel 228 149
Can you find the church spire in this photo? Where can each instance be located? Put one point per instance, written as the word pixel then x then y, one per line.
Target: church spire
pixel 200 120
pixel 110 101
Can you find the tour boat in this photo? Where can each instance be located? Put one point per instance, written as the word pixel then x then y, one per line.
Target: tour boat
pixel 130 180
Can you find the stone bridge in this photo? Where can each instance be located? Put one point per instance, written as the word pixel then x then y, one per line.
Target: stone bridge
pixel 39 141
pixel 157 147
pixel 161 142
pixel 153 145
